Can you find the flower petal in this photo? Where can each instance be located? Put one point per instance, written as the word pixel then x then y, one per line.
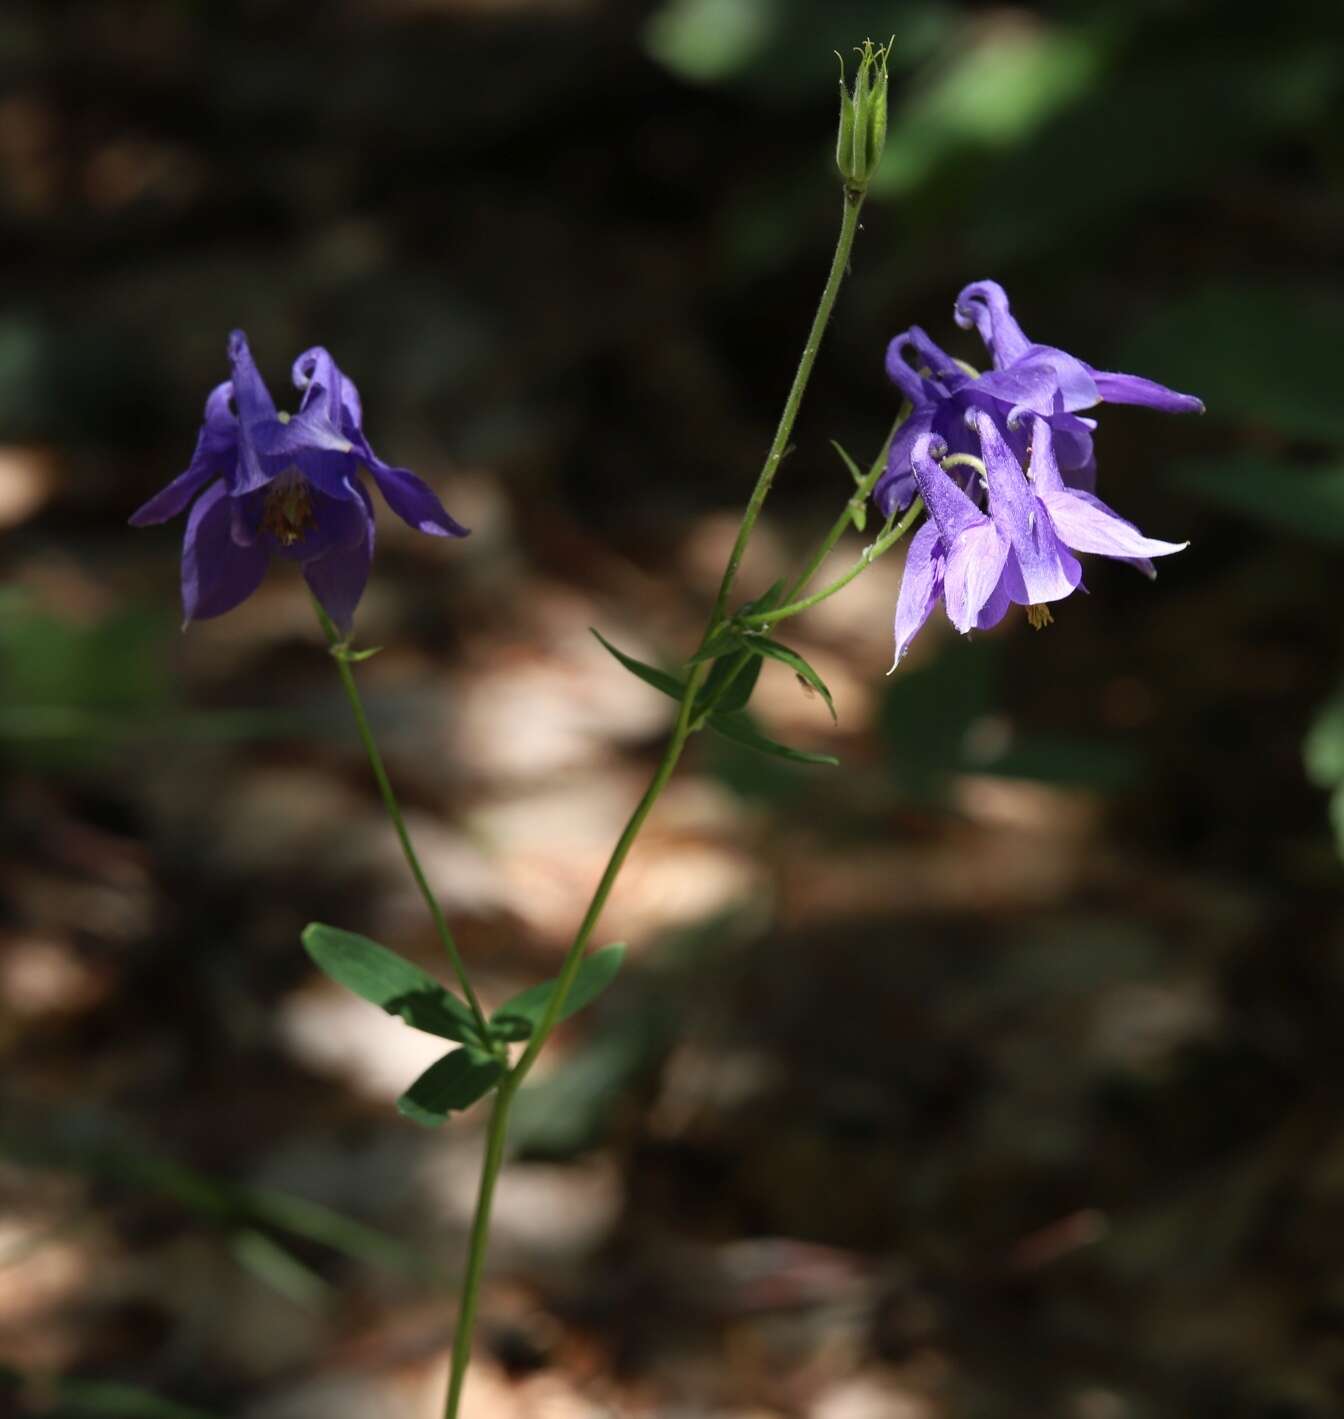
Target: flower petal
pixel 170 501
pixel 1043 471
pixel 971 580
pixel 411 498
pixel 984 306
pixel 896 489
pixel 921 586
pixel 917 388
pixel 338 579
pixel 217 573
pixel 253 399
pixel 1043 380
pixel 948 506
pixel 1072 438
pixel 317 366
pixel 1134 389
pixel 261 451
pixel 1086 524
pixel 215 455
pixel 1048 571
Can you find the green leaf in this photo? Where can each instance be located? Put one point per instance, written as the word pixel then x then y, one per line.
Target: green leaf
pixel 739 680
pixel 518 1017
pixel 766 601
pixel 727 638
pixel 740 730
pixel 376 974
pixel 451 1084
pixel 659 679
pixel 855 471
pixel 796 663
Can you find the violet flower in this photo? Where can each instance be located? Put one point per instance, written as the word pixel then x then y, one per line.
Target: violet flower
pixel 1020 552
pixel 270 484
pixel 1026 379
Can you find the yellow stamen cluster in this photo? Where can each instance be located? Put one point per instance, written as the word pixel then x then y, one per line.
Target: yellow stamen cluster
pixel 288 512
pixel 1039 617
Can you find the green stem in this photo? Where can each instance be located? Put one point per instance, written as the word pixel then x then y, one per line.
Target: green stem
pixel 574 959
pixel 499 1118
pixel 687 723
pixel 839 262
pixel 883 544
pixel 480 1239
pixel 340 653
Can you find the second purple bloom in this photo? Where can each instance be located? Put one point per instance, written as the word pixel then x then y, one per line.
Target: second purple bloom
pixel 264 484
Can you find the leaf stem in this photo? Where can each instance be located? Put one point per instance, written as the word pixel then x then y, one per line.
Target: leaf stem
pixel 341 654
pixel 839 263
pixel 883 544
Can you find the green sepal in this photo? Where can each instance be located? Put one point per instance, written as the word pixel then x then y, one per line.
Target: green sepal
pixel 389 981
pixel 342 651
pixel 659 679
pixel 450 1085
pixel 741 730
pixel 763 646
pixel 517 1018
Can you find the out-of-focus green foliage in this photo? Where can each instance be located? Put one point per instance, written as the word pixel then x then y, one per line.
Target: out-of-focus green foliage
pixel 942 718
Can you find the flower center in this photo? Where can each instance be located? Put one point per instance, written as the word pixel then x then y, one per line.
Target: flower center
pixel 1039 617
pixel 288 512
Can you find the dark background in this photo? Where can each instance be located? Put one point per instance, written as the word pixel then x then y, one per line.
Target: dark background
pixel 995 1073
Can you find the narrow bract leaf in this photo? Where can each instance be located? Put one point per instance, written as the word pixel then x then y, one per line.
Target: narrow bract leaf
pixel 797 664
pixel 766 601
pixel 451 1084
pixel 659 679
pixel 724 640
pixel 376 974
pixel 523 1013
pixel 740 730
pixel 854 471
pixel 730 684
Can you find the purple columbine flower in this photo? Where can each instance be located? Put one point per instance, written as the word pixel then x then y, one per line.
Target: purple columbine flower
pixel 1026 379
pixel 280 485
pixel 1021 551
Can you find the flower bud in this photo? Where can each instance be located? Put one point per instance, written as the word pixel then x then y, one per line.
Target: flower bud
pixel 863 117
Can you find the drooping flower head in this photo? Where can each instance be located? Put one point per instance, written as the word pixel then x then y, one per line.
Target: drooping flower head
pixel 269 484
pixel 1025 380
pixel 1020 551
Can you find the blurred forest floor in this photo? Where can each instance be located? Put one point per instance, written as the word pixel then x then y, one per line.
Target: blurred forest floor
pixel 995 1073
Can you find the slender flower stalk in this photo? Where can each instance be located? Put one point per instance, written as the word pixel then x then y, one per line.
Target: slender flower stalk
pixel 883 544
pixel 849 227
pixel 689 720
pixel 343 656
